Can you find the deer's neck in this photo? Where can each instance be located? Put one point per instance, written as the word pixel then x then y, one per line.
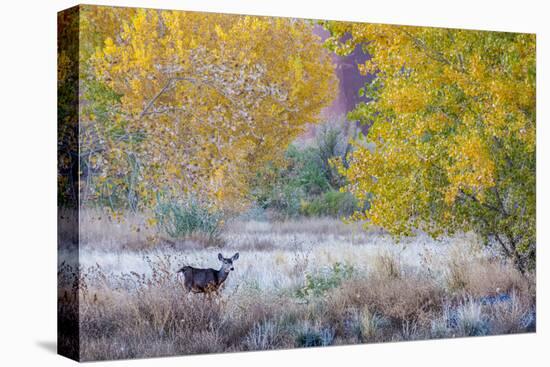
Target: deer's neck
pixel 222 275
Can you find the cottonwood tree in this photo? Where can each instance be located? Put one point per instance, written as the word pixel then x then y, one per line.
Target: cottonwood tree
pixel 184 102
pixel 452 142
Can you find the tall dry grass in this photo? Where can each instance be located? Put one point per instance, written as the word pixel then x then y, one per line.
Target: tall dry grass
pixel 294 286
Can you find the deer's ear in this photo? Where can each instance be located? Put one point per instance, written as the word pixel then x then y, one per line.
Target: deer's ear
pixel 220 257
pixel 236 256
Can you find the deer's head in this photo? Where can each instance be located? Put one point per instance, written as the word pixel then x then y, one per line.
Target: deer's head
pixel 227 263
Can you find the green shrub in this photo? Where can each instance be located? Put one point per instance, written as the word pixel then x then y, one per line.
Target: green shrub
pixel 307 183
pixel 275 188
pixel 283 189
pixel 189 217
pixel 318 284
pixel 308 170
pixel 331 203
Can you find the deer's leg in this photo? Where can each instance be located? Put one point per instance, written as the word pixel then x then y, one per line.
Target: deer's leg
pixel 183 286
pixel 186 287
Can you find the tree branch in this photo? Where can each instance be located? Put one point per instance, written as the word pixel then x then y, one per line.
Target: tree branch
pixel 433 54
pixel 162 91
pixel 476 200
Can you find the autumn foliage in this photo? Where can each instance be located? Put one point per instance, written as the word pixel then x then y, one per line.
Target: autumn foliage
pixel 452 141
pixel 185 103
pixel 179 107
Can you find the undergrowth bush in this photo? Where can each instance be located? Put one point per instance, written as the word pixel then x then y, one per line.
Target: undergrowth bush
pixel 189 217
pixel 308 183
pixel 317 284
pixel 331 204
pixel 311 336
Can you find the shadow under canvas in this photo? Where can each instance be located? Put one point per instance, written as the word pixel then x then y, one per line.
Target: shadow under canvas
pixel 48 345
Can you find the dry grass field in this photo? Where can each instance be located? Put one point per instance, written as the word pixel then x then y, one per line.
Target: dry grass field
pixel 303 283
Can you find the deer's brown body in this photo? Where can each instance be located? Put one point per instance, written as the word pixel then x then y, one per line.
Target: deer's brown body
pixel 207 280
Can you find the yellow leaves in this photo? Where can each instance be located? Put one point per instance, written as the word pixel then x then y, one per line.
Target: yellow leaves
pixel 369 67
pixel 477 68
pixel 135 84
pixel 174 170
pixel 207 91
pixel 471 167
pixel 433 123
pixel 220 33
pixel 298 67
pixel 450 112
pixel 139 20
pixel 110 47
pixel 407 98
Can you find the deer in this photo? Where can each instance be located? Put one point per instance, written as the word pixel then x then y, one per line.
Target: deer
pixel 207 281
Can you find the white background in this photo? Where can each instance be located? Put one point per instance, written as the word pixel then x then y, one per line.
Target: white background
pixel 28 181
